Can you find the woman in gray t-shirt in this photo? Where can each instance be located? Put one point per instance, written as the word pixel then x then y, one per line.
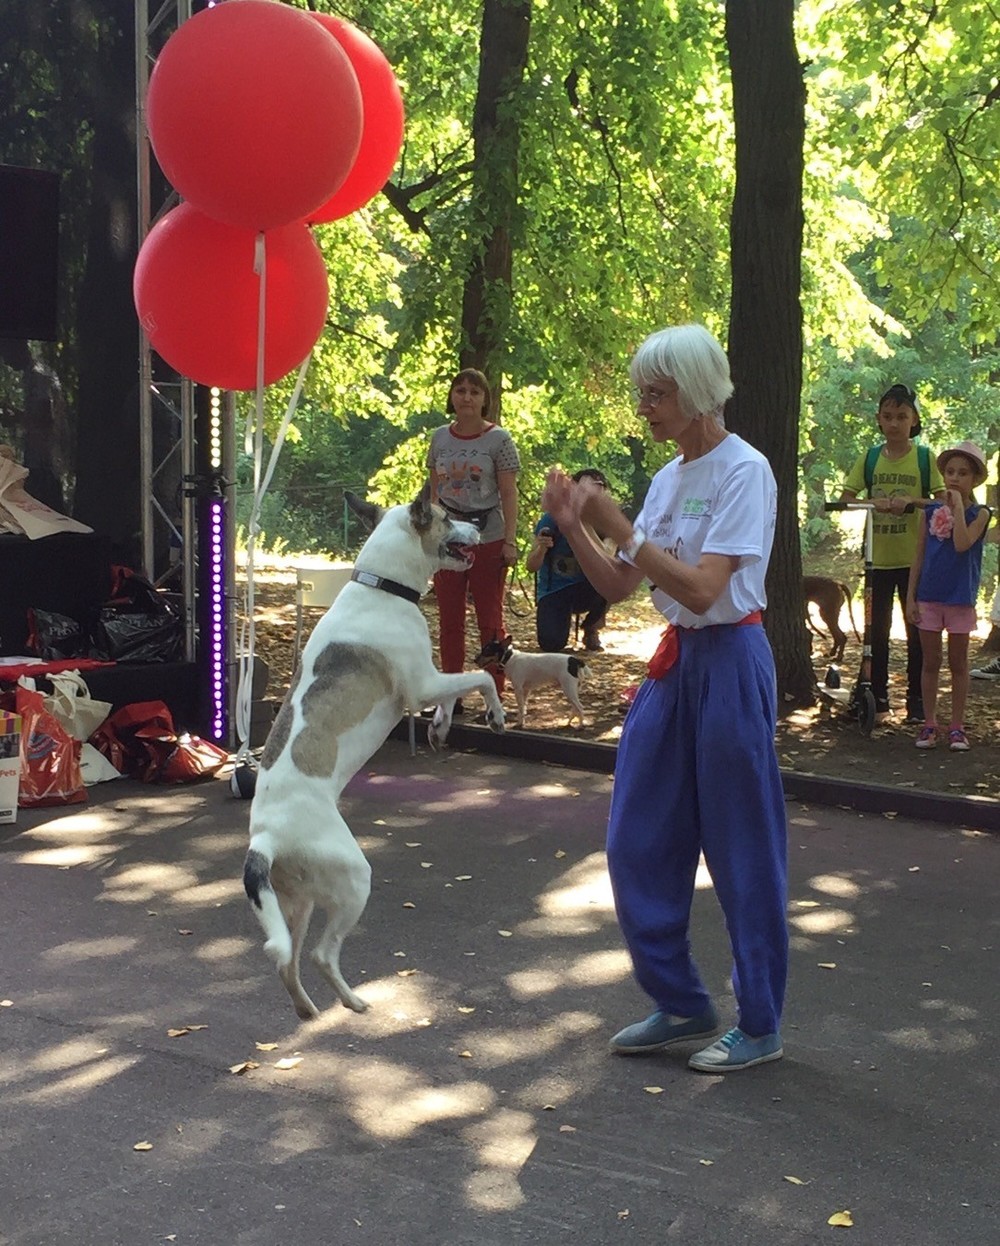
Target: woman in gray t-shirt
pixel 473 466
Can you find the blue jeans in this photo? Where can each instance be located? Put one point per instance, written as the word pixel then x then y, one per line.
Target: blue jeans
pixel 555 611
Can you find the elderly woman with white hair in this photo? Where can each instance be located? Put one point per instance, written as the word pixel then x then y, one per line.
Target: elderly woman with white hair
pixel 697 769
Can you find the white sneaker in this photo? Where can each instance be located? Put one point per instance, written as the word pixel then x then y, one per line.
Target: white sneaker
pixel 990 671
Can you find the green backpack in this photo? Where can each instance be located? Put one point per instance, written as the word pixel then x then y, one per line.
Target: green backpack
pixel 923 461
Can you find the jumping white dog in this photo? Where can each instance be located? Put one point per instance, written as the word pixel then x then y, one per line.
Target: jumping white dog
pixel 533 670
pixel 367 661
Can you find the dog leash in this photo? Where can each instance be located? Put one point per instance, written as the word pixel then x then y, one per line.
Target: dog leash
pixel 509 592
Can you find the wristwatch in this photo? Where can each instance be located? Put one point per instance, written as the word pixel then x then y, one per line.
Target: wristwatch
pixel 632 547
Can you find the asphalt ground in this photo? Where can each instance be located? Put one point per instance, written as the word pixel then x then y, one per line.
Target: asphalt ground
pixel 476 1102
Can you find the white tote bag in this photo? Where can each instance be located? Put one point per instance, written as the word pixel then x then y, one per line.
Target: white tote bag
pixel 71 703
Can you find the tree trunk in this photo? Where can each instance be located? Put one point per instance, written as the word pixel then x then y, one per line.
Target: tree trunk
pixel 765 327
pixel 488 293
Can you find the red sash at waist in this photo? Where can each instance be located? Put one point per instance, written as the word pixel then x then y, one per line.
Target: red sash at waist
pixel 667 650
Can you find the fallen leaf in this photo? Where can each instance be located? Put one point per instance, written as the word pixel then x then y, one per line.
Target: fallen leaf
pixel 289 1062
pixel 623 1215
pixel 465 1055
pixel 266 1046
pixel 426 865
pixel 6 1003
pixel 424 1021
pixel 177 1033
pixel 399 954
pixel 379 822
pixel 185 932
pixel 548 1107
pixel 461 1009
pixel 559 854
pixel 914 869
pixel 707 1162
pixel 505 934
pixel 408 904
pixel 827 964
pixel 889 813
pixel 842 1220
pixel 244 1066
pixel 567 1129
pixel 405 973
pixel 653 1090
pixel 462 878
pixel 416 845
pixel 143 1146
pixel 192 1028
pixel 795 1180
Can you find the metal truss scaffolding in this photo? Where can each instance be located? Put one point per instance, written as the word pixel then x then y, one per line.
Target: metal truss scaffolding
pixel 186 441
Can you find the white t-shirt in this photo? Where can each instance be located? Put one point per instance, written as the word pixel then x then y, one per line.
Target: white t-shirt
pixel 722 503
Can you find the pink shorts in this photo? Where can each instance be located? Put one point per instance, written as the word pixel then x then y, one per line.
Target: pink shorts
pixel 936 616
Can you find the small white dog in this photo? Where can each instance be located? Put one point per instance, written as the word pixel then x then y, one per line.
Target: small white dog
pixel 533 670
pixel 368 660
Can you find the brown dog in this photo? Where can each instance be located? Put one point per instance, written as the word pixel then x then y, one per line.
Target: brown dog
pixel 828 595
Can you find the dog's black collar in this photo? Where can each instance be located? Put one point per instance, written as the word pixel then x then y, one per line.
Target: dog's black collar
pixel 387 586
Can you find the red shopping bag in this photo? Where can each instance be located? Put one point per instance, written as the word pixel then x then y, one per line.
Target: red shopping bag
pixel 140 740
pixel 50 757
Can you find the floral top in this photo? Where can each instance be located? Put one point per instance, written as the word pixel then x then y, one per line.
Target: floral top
pixel 947 576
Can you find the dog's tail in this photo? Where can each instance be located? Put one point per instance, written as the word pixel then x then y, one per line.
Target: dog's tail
pixel 257 884
pixel 850 613
pixel 577 667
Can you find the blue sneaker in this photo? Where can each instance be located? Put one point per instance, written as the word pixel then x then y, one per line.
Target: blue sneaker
pixel 662 1030
pixel 736 1050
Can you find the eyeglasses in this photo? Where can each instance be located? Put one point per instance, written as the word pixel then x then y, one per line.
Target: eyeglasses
pixel 648 396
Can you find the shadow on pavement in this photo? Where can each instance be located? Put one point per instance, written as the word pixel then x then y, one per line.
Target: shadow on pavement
pixel 476 1101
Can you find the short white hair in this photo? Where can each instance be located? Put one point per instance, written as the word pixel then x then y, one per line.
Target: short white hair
pixel 689 355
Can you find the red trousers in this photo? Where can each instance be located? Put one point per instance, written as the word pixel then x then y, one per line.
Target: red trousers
pixel 485 581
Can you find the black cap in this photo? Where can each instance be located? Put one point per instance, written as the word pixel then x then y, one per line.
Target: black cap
pixel 903 394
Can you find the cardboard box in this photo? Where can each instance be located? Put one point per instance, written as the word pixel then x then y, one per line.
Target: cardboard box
pixel 10 764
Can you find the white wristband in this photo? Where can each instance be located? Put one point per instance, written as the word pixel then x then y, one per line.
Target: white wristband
pixel 632 547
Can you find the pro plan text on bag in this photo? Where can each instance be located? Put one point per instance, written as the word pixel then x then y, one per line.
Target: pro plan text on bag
pixel 138 624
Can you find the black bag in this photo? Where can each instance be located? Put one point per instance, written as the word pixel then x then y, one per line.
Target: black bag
pixel 137 623
pixel 55 637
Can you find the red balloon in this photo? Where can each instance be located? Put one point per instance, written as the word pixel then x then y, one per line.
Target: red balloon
pixel 382 129
pixel 254 113
pixel 197 295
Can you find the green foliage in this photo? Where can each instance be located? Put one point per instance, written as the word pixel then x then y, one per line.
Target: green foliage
pixel 625 177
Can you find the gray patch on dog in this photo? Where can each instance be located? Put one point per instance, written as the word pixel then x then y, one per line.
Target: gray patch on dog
pixel 256 875
pixel 347 681
pixel 277 737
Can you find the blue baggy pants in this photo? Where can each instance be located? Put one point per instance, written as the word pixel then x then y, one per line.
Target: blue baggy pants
pixel 697 772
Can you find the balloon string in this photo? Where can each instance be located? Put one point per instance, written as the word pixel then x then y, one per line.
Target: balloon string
pixel 244 693
pixel 247 640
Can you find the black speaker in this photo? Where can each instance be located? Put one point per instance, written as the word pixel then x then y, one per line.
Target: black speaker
pixel 29 253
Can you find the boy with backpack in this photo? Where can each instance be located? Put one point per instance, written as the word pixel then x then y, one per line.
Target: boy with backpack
pixel 898 475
